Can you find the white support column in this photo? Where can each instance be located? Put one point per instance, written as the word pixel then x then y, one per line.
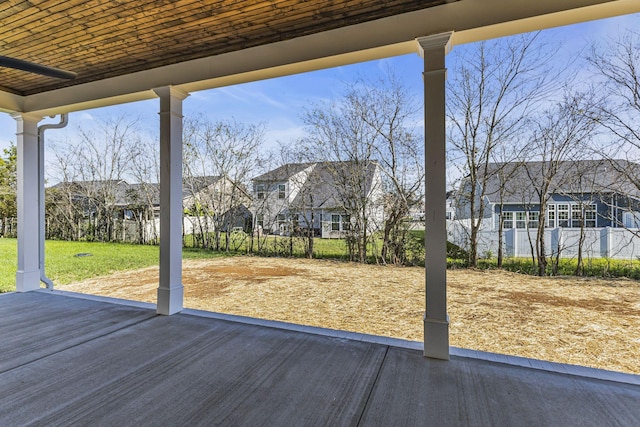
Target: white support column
pixel 28 274
pixel 436 321
pixel 170 289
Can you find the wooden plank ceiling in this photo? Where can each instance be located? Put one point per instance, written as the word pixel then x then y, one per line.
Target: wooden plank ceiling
pixel 99 39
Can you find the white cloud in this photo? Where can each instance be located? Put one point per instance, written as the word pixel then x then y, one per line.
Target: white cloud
pixel 250 95
pixel 83 116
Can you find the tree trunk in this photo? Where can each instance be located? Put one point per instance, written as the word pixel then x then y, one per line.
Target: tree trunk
pixel 500 238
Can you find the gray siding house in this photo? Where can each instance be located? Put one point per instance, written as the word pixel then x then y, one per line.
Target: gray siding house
pixel 584 193
pixel 592 209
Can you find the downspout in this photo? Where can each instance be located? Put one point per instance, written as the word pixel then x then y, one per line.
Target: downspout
pixel 64 120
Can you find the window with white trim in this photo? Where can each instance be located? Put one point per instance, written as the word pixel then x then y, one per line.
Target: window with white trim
pixel 572 215
pixel 260 191
pixel 346 222
pixel 590 216
pixel 576 216
pixel 563 215
pixel 533 218
pixel 335 222
pixel 520 219
pixel 282 191
pixel 507 219
pixel 551 216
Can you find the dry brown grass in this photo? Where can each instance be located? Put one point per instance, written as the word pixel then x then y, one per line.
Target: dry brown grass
pixel 590 322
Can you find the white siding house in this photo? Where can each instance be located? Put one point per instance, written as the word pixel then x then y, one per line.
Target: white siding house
pixel 318 197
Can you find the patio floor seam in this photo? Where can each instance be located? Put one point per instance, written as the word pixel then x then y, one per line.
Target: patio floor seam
pixel 373 386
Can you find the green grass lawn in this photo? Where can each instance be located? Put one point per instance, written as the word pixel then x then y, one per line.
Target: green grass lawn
pixel 63 266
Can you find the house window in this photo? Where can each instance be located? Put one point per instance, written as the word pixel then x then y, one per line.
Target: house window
pixel 507 219
pixel 346 222
pixel 563 215
pixel 551 216
pixel 521 219
pixel 260 220
pixel 631 219
pixel 576 216
pixel 260 191
pixel 281 191
pixel 335 222
pixel 534 217
pixel 590 216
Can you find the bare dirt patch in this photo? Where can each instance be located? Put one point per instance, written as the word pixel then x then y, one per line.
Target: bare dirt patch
pixel 590 322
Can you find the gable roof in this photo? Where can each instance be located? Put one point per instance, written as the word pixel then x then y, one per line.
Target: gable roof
pixel 87 189
pixel 191 185
pixel 283 173
pixel 572 177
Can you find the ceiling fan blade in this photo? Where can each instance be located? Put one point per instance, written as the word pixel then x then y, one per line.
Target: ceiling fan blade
pixel 31 67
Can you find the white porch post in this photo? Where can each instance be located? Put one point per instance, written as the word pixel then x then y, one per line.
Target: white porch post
pixel 170 290
pixel 436 321
pixel 28 274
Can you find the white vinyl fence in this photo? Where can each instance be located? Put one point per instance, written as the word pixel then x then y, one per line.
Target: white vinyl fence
pixel 130 231
pixel 615 243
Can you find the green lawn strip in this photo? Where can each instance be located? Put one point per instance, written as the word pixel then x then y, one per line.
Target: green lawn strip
pixel 68 262
pixel 8 255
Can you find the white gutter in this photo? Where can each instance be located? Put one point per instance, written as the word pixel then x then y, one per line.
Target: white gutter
pixel 64 120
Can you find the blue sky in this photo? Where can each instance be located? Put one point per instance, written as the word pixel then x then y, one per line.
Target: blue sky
pixel 279 102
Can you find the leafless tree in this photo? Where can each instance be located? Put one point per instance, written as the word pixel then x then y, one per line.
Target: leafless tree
pixel 616 67
pixel 96 163
pixel 490 92
pixel 367 131
pixel 387 107
pixel 560 135
pixel 338 135
pixel 616 71
pixel 8 191
pixel 145 171
pixel 504 175
pixel 220 158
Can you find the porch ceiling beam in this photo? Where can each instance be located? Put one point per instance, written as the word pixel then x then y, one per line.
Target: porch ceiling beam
pixel 472 20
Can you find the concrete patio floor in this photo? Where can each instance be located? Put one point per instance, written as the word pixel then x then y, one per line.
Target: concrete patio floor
pixel 66 360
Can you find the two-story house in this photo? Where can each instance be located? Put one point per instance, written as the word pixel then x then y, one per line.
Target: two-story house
pixel 317 196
